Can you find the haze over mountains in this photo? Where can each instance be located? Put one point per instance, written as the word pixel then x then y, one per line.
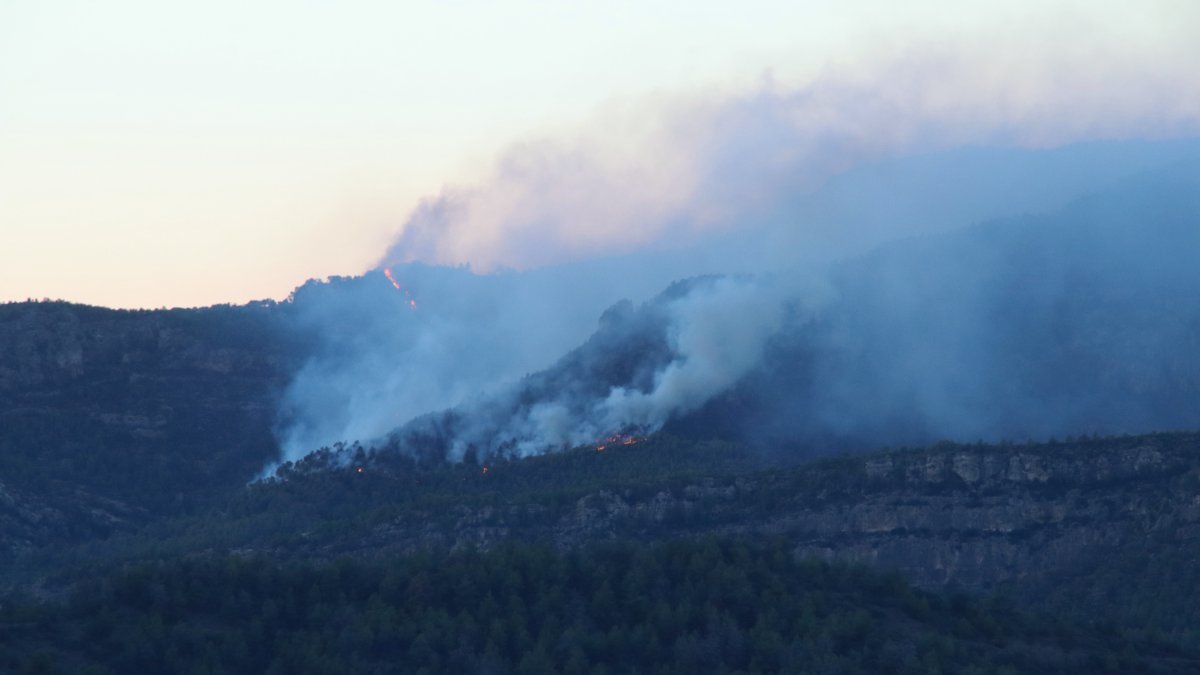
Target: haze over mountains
pixel 845 337
pixel 991 294
pixel 1008 294
pixel 420 410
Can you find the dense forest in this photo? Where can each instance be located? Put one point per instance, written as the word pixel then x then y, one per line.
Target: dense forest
pixel 648 557
pixel 706 606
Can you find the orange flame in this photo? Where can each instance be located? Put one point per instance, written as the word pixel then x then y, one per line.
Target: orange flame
pixel 408 298
pixel 387 272
pixel 618 439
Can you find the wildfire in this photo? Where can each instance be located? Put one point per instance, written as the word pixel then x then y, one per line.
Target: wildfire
pixel 408 298
pixel 618 439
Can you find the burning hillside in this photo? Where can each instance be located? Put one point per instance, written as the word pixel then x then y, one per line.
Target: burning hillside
pixel 408 296
pixel 1074 322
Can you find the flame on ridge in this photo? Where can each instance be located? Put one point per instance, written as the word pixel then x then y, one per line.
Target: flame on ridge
pixel 617 439
pixel 408 298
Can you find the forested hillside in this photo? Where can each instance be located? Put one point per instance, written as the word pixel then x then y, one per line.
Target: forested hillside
pixel 135 536
pixel 1083 529
pixel 685 607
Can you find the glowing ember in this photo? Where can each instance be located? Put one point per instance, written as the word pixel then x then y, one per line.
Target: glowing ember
pixel 618 439
pixel 408 298
pixel 387 271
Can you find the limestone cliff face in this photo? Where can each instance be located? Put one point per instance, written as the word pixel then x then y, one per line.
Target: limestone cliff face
pixel 44 346
pixel 977 519
pixel 107 416
pixel 960 516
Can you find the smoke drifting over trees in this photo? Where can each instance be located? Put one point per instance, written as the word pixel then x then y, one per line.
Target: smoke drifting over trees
pixel 852 283
pixel 1076 321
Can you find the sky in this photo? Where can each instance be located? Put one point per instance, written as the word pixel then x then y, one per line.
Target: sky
pixel 183 154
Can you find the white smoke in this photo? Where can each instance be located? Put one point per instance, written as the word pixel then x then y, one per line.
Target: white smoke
pixel 676 172
pixel 716 334
pixel 764 180
pixel 644 368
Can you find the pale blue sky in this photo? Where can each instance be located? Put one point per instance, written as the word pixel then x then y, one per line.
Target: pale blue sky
pixel 182 153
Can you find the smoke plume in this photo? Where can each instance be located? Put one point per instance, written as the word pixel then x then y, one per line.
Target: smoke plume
pixel 641 368
pixel 761 199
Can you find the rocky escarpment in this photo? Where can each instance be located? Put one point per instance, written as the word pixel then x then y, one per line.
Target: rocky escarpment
pixel 1111 524
pixel 975 517
pixel 44 345
pixel 120 413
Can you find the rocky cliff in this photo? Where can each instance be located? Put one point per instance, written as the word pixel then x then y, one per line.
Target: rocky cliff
pixel 1072 523
pixel 109 417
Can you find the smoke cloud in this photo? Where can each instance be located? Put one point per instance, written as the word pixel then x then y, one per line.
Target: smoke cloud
pixel 769 188
pixel 670 174
pixel 1079 321
pixel 716 335
pixel 1075 322
pixel 641 368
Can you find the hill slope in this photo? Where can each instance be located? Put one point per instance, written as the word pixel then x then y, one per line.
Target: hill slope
pixel 1071 527
pixel 1080 321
